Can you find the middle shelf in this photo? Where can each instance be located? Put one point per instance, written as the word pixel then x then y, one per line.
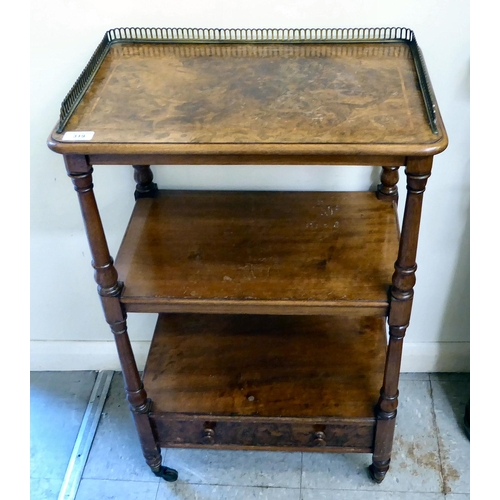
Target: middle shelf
pixel 259 253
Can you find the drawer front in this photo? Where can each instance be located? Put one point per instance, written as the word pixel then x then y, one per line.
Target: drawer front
pixel 199 431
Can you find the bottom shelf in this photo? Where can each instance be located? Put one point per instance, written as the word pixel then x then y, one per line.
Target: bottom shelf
pixel 265 381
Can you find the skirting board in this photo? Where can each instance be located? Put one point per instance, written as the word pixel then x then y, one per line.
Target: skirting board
pixel 429 357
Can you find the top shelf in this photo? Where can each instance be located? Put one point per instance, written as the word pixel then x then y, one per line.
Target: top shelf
pixel 184 96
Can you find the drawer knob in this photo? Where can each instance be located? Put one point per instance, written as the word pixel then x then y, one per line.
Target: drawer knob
pixel 208 436
pixel 319 439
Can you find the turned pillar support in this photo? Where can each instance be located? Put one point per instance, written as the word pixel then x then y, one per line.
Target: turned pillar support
pixel 418 171
pixel 109 290
pixel 105 274
pixel 388 187
pixel 145 187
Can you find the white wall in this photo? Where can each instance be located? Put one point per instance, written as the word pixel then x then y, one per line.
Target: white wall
pixel 68 330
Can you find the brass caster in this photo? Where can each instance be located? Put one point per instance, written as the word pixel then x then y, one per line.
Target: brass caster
pixel 166 473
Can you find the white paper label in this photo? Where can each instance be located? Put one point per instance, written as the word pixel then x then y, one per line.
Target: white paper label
pixel 78 136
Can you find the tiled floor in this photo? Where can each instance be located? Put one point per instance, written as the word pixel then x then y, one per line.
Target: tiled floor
pixel 430 455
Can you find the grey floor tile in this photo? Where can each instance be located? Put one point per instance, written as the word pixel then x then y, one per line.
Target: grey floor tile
pixel 450 394
pixel 242 468
pixel 116 451
pixel 342 471
pixel 187 491
pixel 102 489
pixel 58 401
pixel 450 377
pixel 368 495
pixel 414 376
pixel 44 489
pixel 415 465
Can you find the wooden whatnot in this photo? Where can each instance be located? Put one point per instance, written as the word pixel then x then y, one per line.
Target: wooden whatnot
pixel 272 306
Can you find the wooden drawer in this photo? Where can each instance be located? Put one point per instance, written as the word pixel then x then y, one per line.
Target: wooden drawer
pixel 264 433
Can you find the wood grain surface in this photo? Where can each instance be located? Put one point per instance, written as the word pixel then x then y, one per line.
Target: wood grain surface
pixel 282 252
pixel 322 434
pixel 267 366
pixel 242 94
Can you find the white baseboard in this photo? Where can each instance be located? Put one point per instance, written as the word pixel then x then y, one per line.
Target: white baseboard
pixel 433 357
pixel 74 355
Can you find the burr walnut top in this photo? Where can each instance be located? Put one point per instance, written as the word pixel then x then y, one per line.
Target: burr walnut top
pixel 341 98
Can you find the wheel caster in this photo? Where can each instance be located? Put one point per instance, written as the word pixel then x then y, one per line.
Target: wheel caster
pixel 166 473
pixel 376 475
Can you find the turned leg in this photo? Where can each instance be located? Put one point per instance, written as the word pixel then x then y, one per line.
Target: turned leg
pixel 109 290
pixel 145 187
pixel 388 187
pixel 403 280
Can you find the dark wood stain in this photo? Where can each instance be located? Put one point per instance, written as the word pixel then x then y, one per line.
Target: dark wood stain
pixel 185 247
pixel 266 366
